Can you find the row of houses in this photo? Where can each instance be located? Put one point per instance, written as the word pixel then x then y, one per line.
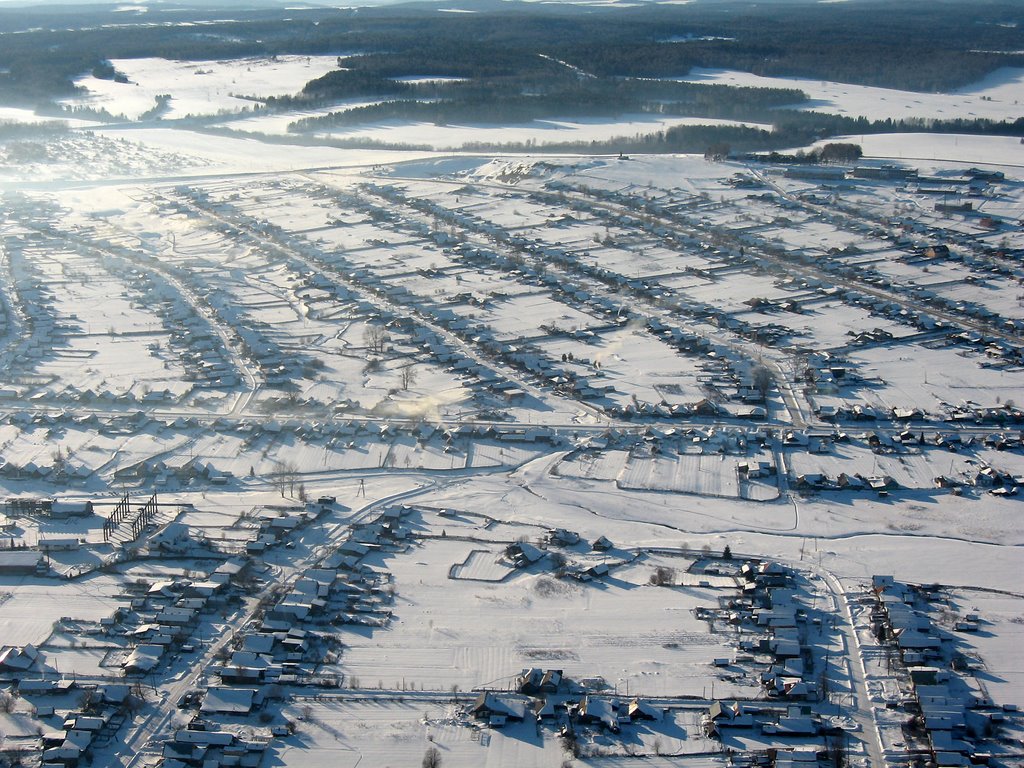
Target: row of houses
pixel 949 706
pixel 548 704
pixel 164 614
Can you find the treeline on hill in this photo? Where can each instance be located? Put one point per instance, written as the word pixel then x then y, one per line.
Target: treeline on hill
pixel 15 131
pixel 917 44
pixel 797 129
pixel 500 102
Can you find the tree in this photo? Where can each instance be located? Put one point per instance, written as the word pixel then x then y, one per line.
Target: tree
pixel 762 381
pixel 375 337
pixel 663 576
pixel 718 151
pixel 727 553
pixel 287 478
pixel 841 153
pixel 408 377
pixel 432 758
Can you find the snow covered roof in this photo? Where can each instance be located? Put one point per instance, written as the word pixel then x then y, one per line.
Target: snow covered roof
pixel 228 700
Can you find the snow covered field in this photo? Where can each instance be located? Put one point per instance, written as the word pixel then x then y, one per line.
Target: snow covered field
pixel 1000 96
pixel 199 88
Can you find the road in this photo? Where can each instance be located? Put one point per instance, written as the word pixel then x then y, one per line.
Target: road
pixel 859 706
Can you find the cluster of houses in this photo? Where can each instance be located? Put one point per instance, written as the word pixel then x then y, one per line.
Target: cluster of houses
pixel 767 602
pixel 164 615
pixel 546 695
pixel 292 636
pixel 90 724
pixel 817 481
pixel 568 380
pixel 523 554
pixel 201 746
pixel 950 710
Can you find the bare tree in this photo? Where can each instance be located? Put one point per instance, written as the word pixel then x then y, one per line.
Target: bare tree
pixel 375 337
pixel 286 479
pixel 432 758
pixel 408 377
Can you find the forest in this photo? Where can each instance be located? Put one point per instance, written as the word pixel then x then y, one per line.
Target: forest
pixel 515 62
pixel 916 45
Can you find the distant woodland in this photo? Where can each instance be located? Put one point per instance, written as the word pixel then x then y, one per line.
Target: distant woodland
pixel 525 61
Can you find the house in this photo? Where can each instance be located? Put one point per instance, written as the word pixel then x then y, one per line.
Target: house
pixel 229 570
pixel 563 538
pixel 523 553
pixel 497 710
pixel 204 738
pixel 19 561
pixel 41 687
pixel 638 709
pixel 174 538
pixel 228 701
pixel 536 681
pixel 62 509
pixel 143 658
pixel 18 658
pixel 244 667
pixel 600 711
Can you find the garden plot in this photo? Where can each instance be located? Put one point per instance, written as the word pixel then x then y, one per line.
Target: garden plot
pixel 916 469
pixel 635 363
pixel 397 730
pixel 114 348
pixel 930 377
pixel 442 633
pixel 810 236
pixel 383 252
pixel 34 606
pixel 85 448
pixel 997 642
pixel 199 87
pixel 146 446
pixel 290 202
pixel 90 156
pixel 484 454
pixel 524 315
pixel 995 293
pixel 930 274
pixel 963 150
pixel 692 173
pixel 644 259
pixel 79 446
pixel 85 661
pixel 483 565
pixel 829 324
pixel 508 210
pixel 598 465
pixel 684 473
pixel 457 283
pixel 582 231
pixel 732 290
